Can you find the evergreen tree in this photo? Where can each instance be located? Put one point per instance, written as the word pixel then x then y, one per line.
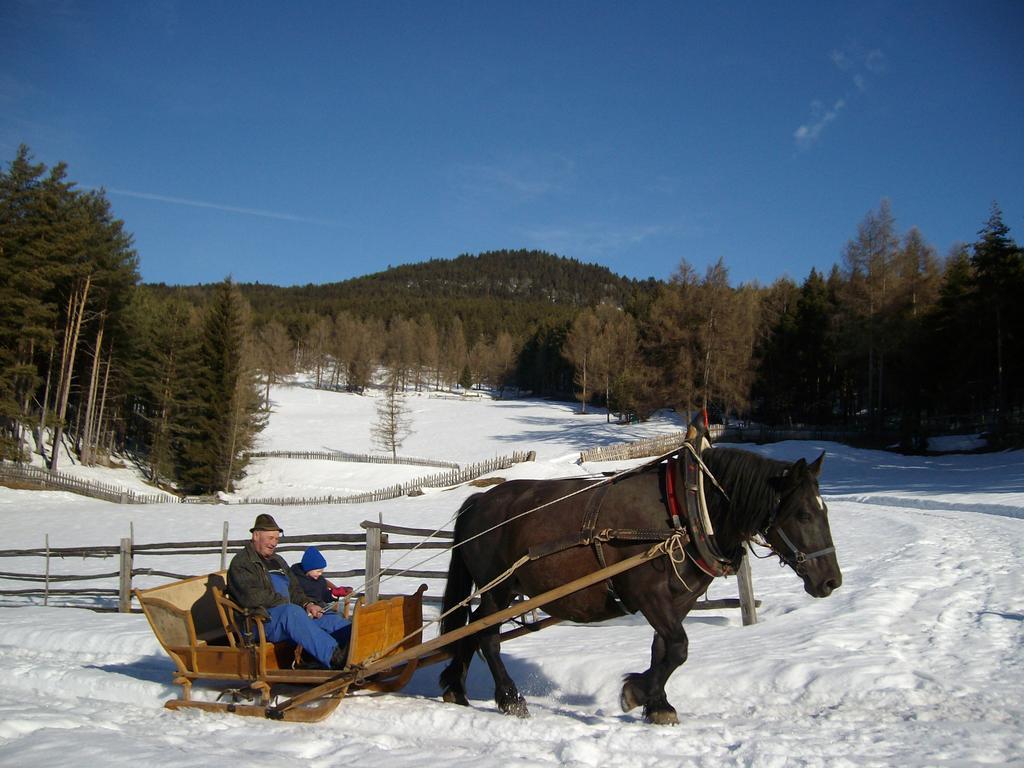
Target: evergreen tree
pixel 66 270
pixel 950 335
pixel 777 383
pixel 27 313
pixel 999 277
pixel 815 352
pixel 224 414
pixel 161 354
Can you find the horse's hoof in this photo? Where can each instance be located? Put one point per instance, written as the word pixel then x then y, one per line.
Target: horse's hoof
pixel 629 699
pixel 661 716
pixel 451 697
pixel 516 706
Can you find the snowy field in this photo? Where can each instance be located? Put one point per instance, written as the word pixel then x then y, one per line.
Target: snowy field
pixel 917 660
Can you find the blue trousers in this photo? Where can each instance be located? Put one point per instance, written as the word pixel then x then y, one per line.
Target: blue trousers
pixel 318 637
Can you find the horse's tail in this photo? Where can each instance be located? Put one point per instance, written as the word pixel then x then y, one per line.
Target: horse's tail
pixel 460 582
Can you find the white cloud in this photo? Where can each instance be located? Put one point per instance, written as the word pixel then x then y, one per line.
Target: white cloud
pixel 859 65
pixel 809 132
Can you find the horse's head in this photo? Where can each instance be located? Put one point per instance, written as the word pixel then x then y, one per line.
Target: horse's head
pixel 798 528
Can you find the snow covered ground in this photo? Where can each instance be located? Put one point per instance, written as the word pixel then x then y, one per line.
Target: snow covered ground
pixel 917 660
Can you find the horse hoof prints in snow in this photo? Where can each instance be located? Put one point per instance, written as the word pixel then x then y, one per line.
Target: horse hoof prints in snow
pixel 529 537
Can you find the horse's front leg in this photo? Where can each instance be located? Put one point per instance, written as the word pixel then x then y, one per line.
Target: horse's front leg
pixel 668 651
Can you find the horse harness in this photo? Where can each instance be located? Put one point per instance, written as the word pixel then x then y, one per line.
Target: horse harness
pixel 691 526
pixel 797 559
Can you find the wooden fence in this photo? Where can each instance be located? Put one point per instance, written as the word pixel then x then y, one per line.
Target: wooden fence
pixel 356 458
pixel 639 449
pixel 376 539
pixel 655 446
pixel 36 477
pixel 447 479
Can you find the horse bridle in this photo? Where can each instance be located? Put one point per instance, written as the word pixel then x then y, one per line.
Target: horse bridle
pixel 798 559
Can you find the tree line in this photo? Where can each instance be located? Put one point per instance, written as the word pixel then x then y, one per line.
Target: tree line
pixel 91 364
pixel 893 339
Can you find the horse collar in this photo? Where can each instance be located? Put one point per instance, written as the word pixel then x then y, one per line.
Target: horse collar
pixel 703 549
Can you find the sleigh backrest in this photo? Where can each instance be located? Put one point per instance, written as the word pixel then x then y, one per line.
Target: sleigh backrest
pixel 184 613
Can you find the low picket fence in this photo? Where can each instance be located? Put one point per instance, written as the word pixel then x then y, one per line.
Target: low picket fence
pixel 453 477
pixel 37 477
pixel 356 458
pixel 640 449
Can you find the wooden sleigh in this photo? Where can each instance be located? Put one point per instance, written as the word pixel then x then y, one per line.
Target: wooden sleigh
pixel 210 637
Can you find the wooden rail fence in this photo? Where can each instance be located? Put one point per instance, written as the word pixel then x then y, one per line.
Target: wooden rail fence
pixel 374 541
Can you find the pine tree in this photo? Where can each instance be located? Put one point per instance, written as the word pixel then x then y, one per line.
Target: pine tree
pixel 66 270
pixel 223 408
pixel 161 352
pixel 26 280
pixel 999 277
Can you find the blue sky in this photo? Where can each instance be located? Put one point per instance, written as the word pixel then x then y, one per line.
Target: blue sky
pixel 294 143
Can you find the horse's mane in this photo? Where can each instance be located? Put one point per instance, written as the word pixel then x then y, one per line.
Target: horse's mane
pixel 744 475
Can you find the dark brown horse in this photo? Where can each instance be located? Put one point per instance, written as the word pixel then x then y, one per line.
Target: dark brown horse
pixel 758 498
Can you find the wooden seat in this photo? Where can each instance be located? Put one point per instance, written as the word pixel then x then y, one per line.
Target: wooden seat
pixel 209 636
pixel 204 639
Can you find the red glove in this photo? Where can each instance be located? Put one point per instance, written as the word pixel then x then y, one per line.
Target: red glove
pixel 341 591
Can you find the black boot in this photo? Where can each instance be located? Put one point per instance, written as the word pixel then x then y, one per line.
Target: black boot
pixel 339 659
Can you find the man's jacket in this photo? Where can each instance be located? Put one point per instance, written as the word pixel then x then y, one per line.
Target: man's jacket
pixel 249 580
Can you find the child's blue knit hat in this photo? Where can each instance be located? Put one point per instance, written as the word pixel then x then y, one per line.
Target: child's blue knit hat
pixel 312 560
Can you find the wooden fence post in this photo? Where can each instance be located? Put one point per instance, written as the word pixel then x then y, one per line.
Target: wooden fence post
pixel 224 548
pixel 124 591
pixel 46 589
pixel 748 606
pixel 373 541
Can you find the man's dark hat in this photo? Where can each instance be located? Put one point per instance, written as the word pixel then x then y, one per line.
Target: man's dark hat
pixel 265 522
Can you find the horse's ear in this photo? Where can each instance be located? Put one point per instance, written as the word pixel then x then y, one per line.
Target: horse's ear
pixel 697 428
pixel 794 470
pixel 815 468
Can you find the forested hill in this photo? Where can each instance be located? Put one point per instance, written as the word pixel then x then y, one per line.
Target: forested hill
pixel 525 275
pixel 508 290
